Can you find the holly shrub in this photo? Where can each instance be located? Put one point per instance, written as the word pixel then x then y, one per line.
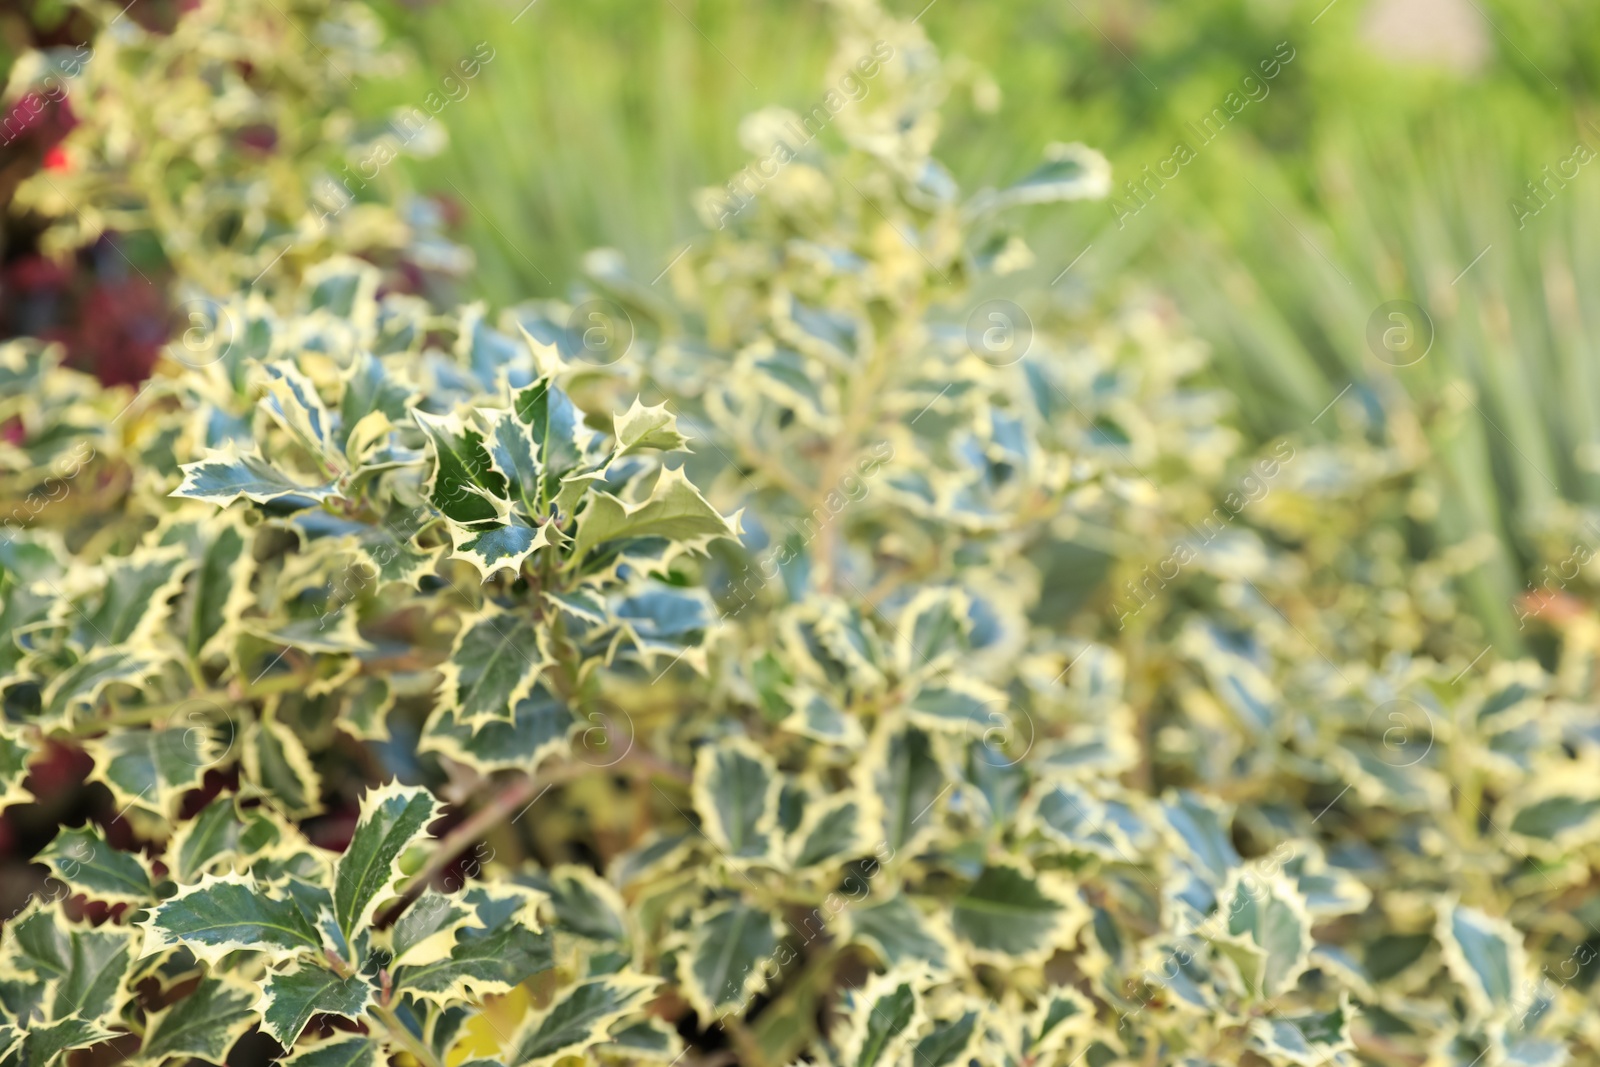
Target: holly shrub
pixel 228 137
pixel 205 148
pixel 807 656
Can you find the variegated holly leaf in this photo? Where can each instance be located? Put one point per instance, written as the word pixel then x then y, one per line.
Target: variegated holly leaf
pixel 787 378
pixel 203 1025
pixel 641 428
pixel 951 1042
pixel 1307 1040
pixel 900 933
pixel 1236 675
pixel 1062 1014
pixel 541 724
pixel 341 286
pixel 153 768
pixel 674 510
pixel 847 643
pixel 1485 956
pixel 1558 810
pixel 341 1050
pixel 486 352
pixel 426 932
pixel 820 719
pixel 729 949
pixel 45 1044
pixel 492 954
pixel 334 631
pixel 220 833
pixel 23 607
pixel 556 424
pixel 227 474
pixel 736 794
pixel 958 706
pixel 1563 820
pixel 496 660
pixel 220 591
pixel 570 492
pixel 1526 1050
pixel 657 854
pixel 15 755
pixel 584 905
pixel 649 1041
pixel 463 485
pixel 1081 822
pixel 381 553
pixel 79 968
pixel 829 830
pixel 1327 890
pixel 906 775
pixel 370 388
pixel 1009 914
pixel 278 768
pixel 365 712
pixel 81 685
pixel 294 404
pixel 584 606
pixel 392 818
pixel 998 780
pixel 657 622
pixel 1200 831
pixel 290 998
pixel 577 1019
pixel 133 600
pixel 886 1020
pixel 1069 172
pixel 87 862
pixel 934 627
pixel 514 453
pixel 1268 932
pixel 224 913
pixel 504 546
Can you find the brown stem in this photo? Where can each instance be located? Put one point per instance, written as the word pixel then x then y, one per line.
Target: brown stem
pixel 642 763
pixel 512 798
pixel 1385 1051
pixel 861 412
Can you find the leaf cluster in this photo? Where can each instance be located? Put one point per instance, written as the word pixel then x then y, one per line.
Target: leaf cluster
pixel 832 686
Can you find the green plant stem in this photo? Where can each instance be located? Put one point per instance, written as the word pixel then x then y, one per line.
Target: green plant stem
pixel 749 1048
pixel 385 1015
pixel 151 713
pixel 233 695
pixel 391 1022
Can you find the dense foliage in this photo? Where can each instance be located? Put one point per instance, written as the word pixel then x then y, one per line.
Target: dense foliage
pixel 155 157
pixel 227 137
pixel 714 668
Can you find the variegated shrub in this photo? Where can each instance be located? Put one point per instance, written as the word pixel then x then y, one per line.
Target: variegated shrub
pixel 364 527
pixel 228 138
pixel 830 679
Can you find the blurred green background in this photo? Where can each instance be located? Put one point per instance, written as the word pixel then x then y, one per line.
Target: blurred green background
pixel 1379 164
